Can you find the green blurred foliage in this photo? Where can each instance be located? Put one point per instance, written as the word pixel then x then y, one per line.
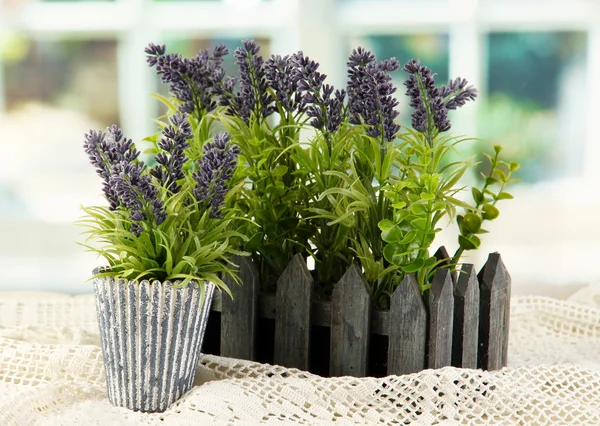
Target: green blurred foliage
pixel 525 72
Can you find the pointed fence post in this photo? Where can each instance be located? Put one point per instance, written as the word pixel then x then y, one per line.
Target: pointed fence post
pixel 442 254
pixel 494 287
pixel 441 313
pixel 350 325
pixel 466 318
pixel 408 329
pixel 292 316
pixel 239 315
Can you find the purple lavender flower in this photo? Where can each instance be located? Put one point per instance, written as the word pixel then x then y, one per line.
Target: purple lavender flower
pixel 173 142
pixel 283 77
pixel 324 104
pixel 431 104
pixel 116 161
pixel 105 152
pixel 194 81
pixel 134 190
pixel 456 94
pixel 370 94
pixel 252 99
pixel 215 168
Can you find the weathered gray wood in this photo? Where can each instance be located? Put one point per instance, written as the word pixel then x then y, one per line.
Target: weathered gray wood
pixel 320 314
pixel 380 322
pixel 442 254
pixel 494 287
pixel 350 325
pixel 292 316
pixel 441 312
pixel 466 318
pixel 407 329
pixel 239 315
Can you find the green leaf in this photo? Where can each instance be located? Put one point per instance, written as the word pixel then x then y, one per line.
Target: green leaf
pixel 471 222
pixel 504 196
pixel 477 195
pixel 514 166
pixel 413 266
pixel 424 160
pixel 460 221
pixel 490 181
pixel 500 174
pixel 385 225
pixel 280 170
pixel 430 262
pixel 253 243
pixel 289 223
pixel 420 224
pixel 438 205
pixel 390 252
pixel 427 196
pixel 418 209
pixel 490 212
pixel 409 237
pixel 399 205
pixel 400 216
pixel 466 243
pixel 392 235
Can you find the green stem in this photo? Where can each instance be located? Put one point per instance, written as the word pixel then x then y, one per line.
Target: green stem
pixel 459 252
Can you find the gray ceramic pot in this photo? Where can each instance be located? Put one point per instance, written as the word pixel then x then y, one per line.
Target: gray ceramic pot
pixel 151 336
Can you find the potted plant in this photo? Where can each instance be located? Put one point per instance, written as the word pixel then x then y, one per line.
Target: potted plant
pixel 168 239
pixel 358 190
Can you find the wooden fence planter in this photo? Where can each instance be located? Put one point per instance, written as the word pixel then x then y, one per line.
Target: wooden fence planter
pixel 464 322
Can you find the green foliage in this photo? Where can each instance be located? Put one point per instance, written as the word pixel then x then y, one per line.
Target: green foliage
pixel 485 201
pixel 342 196
pixel 190 245
pixel 271 192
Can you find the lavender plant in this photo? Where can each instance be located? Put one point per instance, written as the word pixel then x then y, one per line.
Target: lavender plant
pixel 169 221
pixel 358 189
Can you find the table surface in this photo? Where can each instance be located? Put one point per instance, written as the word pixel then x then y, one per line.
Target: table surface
pixel 51 372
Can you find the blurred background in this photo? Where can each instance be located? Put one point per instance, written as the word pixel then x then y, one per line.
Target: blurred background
pixel 70 66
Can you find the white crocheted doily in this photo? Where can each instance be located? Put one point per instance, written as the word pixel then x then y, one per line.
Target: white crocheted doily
pixel 51 373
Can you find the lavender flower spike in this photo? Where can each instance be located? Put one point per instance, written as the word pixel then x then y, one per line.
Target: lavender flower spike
pixel 283 77
pixel 457 93
pixel 195 82
pixel 135 190
pixel 125 185
pixel 173 142
pixel 106 152
pixel 324 103
pixel 252 100
pixel 370 94
pixel 215 168
pixel 429 108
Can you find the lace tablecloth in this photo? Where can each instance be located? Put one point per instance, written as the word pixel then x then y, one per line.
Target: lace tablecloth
pixel 51 373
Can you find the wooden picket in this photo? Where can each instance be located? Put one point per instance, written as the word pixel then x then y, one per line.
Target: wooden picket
pixel 463 320
pixel 407 339
pixel 292 315
pixel 239 313
pixel 466 319
pixel 350 325
pixel 441 313
pixel 494 312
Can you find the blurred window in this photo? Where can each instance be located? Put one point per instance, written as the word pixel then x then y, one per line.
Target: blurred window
pixel 535 100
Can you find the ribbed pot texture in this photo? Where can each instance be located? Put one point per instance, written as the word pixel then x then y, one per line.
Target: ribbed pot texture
pixel 151 335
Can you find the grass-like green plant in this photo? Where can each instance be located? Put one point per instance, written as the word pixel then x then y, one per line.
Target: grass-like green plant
pixel 168 221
